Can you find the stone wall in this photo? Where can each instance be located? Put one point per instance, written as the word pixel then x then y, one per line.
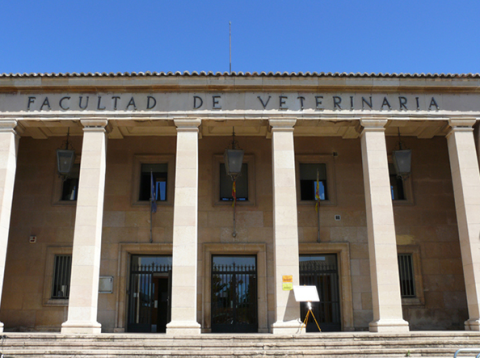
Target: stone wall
pixel 427 225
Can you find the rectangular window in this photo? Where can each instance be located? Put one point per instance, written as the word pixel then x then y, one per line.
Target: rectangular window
pixel 405 269
pixel 308 180
pixel 61 276
pixel 226 184
pixel 70 184
pixel 159 172
pixel 396 184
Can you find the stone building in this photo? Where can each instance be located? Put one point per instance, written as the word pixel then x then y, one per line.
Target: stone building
pixel 320 201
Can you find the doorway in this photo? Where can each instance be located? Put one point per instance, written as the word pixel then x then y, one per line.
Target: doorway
pixel 234 294
pixel 149 294
pixel 322 271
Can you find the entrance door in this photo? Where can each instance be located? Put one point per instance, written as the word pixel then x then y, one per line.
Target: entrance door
pixel 321 271
pixel 234 294
pixel 149 294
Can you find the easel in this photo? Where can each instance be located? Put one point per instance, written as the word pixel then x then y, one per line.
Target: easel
pixel 309 305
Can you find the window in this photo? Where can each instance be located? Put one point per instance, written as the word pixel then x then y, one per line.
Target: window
pixel 309 173
pixel 407 277
pixel 162 167
pixel 61 277
pixel 241 185
pixel 70 184
pixel 159 173
pixel 396 184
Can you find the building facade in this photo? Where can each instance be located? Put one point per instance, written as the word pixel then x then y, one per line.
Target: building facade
pixel 319 202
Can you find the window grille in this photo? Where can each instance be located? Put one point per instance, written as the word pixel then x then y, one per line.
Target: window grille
pixel 61 276
pixel 407 282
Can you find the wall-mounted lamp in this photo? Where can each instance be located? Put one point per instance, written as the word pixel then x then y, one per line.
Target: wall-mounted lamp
pixel 233 166
pixel 65 158
pixel 402 159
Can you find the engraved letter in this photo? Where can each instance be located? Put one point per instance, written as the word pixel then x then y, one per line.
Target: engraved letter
pixel 98 106
pixel 264 104
pixel 318 102
pixel 30 101
pixel 336 102
pixel 403 103
pixel 150 98
pixel 282 101
pixel 61 103
pixel 365 102
pixel 80 103
pixel 132 103
pixel 433 103
pixel 418 103
pixel 301 101
pixel 115 98
pixel 385 103
pixel 195 104
pixel 45 103
pixel 351 102
pixel 215 103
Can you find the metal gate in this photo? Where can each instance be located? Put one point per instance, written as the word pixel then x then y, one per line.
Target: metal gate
pixel 234 294
pixel 322 271
pixel 149 293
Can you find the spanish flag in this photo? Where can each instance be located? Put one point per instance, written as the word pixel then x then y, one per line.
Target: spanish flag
pixel 234 193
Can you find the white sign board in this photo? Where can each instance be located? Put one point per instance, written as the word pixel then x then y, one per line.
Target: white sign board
pixel 306 294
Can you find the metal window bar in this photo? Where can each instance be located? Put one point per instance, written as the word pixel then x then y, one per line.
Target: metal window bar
pixel 61 276
pixel 406 273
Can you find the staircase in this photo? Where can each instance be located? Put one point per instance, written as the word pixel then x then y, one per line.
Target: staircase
pixel 325 345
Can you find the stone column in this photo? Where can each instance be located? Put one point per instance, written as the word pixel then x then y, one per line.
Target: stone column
pixel 87 238
pixel 466 188
pixel 185 231
pixel 285 226
pixel 382 245
pixel 8 165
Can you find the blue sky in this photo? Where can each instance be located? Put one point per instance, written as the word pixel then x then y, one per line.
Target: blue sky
pixel 302 35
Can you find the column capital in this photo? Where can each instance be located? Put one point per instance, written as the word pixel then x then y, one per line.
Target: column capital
pixel 283 124
pixel 187 124
pixel 372 125
pixel 9 126
pixel 461 124
pixel 95 125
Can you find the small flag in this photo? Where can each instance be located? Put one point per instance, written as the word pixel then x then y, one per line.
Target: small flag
pixel 234 193
pixel 152 195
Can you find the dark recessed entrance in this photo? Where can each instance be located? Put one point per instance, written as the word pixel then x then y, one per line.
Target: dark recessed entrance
pixel 149 293
pixel 234 294
pixel 321 271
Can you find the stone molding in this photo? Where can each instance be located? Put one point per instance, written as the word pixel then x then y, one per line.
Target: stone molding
pixel 187 124
pixel 461 125
pixel 372 125
pixel 282 125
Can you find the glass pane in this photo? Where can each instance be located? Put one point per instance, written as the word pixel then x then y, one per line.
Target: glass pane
pixel 234 260
pixel 70 185
pixel 308 181
pixel 309 171
pixel 396 184
pixel 159 172
pixel 226 184
pixel 61 276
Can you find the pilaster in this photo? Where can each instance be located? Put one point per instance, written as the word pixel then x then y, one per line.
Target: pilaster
pixel 466 188
pixel 8 165
pixel 285 226
pixel 382 246
pixel 185 231
pixel 87 239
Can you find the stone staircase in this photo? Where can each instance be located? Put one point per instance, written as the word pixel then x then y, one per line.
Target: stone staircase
pixel 331 345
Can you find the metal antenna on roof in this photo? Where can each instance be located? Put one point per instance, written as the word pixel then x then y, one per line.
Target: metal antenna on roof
pixel 230 37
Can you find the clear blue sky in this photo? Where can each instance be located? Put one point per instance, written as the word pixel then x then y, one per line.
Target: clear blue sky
pixel 297 35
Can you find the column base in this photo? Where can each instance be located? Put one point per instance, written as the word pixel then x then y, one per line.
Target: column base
pixel 472 325
pixel 389 325
pixel 288 327
pixel 183 328
pixel 81 327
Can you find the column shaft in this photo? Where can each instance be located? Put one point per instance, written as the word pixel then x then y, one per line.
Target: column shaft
pixel 185 231
pixel 285 226
pixel 8 165
pixel 387 303
pixel 466 188
pixel 87 240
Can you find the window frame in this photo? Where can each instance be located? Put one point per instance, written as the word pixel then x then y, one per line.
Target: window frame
pixel 329 161
pixel 52 251
pixel 248 159
pixel 413 250
pixel 140 159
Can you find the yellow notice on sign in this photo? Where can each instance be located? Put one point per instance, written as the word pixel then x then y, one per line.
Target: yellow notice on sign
pixel 287 286
pixel 288 278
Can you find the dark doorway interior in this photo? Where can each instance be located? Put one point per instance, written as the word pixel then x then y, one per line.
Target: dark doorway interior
pixel 149 293
pixel 322 271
